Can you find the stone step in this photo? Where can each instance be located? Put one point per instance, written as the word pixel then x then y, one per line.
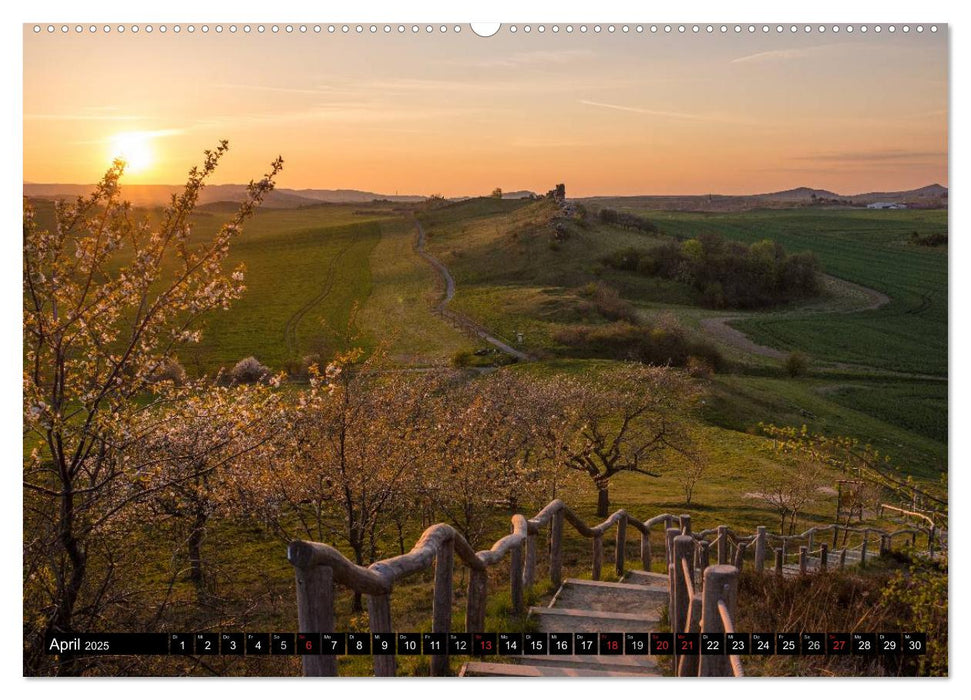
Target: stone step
pixel 639 665
pixel 646 578
pixel 481 668
pixel 605 596
pixel 579 620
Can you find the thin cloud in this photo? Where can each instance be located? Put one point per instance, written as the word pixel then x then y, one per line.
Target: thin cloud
pixel 535 58
pixel 84 117
pixel 318 90
pixel 776 55
pixel 677 116
pixel 874 156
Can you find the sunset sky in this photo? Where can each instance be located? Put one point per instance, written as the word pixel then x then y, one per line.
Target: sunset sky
pixel 460 115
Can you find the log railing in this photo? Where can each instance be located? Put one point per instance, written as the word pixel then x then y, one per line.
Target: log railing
pixel 711 610
pixel 320 567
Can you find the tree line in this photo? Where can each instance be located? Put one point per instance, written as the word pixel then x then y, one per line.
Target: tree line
pixel 727 274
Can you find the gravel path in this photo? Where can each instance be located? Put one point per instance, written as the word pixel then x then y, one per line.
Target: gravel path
pixel 459 319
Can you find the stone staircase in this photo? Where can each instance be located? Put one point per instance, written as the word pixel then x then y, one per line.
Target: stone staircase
pixel 633 605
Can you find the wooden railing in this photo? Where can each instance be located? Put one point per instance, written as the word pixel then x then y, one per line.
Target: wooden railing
pixel 319 568
pixel 712 610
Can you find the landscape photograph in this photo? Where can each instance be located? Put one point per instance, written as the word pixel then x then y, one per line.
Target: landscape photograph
pixel 534 350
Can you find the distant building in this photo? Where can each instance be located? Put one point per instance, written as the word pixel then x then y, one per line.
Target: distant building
pixel 886 205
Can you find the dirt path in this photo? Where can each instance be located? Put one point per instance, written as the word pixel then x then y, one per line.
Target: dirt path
pixel 458 319
pixel 290 329
pixel 862 299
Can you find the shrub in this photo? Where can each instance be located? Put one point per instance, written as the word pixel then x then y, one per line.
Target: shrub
pixel 797 364
pixel 248 371
pixel 699 367
pixel 612 306
pixel 660 344
pixel 169 370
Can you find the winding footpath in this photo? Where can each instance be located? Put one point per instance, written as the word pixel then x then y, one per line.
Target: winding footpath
pixel 460 320
pixel 720 329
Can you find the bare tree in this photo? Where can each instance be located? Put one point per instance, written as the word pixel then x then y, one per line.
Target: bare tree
pixel 624 420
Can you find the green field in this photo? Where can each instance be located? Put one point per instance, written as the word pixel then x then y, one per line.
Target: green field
pixel 514 278
pixel 310 270
pixel 864 246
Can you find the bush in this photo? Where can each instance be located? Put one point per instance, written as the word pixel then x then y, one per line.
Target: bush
pixel 170 370
pixel 632 221
pixel 797 364
pixel 660 344
pixel 612 306
pixel 249 371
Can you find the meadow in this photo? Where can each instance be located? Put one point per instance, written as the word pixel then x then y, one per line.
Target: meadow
pixel 325 278
pixel 869 247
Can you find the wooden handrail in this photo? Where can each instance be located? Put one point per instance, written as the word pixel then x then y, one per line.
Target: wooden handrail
pixel 320 567
pixel 729 625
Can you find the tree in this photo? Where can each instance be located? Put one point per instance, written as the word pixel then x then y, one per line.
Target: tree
pixel 496 193
pixel 486 453
pixel 108 299
pixel 626 420
pixel 792 489
pixel 194 460
pixel 357 435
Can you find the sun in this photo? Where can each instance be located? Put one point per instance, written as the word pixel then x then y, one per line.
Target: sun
pixel 135 148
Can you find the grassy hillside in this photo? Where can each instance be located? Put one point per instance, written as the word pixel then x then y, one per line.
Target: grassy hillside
pixel 867 247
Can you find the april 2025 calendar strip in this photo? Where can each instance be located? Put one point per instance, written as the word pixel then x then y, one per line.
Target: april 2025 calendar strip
pixel 488 643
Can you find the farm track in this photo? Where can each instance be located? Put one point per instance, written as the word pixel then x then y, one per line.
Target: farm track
pixel 720 328
pixel 459 320
pixel 290 329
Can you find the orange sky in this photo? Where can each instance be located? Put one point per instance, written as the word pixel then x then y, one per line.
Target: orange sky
pixel 460 114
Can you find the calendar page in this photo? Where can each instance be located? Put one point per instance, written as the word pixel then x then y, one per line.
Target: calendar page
pixel 525 349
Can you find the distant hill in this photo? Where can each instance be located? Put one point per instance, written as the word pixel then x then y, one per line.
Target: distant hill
pixel 798 194
pixel 518 194
pixel 155 195
pixel 931 196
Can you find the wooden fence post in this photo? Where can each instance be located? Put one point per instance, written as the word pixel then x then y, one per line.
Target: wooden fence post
pixel 685 524
pixel 442 602
pixel 836 535
pixel 529 569
pixel 475 604
pixel 842 558
pixel 598 556
pixel 669 536
pixel 705 555
pixel 931 535
pixel 620 556
pixel 722 544
pixel 315 613
pixel 721 583
pixel 683 587
pixel 646 549
pixel 866 536
pixel 379 617
pixel 516 578
pixel 779 557
pixel 556 548
pixel 884 545
pixel 803 559
pixel 760 538
pixel 823 556
pixel 811 539
pixel 740 555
